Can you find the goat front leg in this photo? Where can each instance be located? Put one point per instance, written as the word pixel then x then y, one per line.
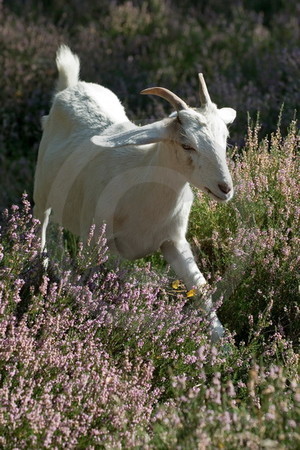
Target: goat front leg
pixel 180 257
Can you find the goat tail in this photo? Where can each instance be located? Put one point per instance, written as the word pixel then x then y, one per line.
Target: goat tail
pixel 68 67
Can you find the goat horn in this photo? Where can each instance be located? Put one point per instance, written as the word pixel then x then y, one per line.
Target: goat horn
pixel 203 91
pixel 172 98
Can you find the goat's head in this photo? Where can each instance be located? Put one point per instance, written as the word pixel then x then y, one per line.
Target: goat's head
pixel 199 136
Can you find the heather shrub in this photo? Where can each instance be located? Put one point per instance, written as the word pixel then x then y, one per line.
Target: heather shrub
pixel 251 245
pixel 97 355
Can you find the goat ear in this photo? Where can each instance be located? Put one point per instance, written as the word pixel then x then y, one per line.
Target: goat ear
pixel 148 134
pixel 227 114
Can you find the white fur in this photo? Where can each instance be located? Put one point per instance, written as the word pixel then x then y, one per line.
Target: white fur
pixel 96 166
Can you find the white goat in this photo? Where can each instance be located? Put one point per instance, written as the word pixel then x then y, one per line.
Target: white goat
pixel 96 166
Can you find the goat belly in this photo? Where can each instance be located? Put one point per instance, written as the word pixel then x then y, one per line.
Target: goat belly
pixel 134 241
pixel 132 248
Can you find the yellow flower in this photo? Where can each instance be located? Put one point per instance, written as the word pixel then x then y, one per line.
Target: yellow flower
pixel 175 284
pixel 191 293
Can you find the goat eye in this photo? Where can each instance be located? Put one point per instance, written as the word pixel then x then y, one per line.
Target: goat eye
pixel 188 148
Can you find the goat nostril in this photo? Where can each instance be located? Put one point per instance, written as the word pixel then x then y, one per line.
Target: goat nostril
pixel 224 188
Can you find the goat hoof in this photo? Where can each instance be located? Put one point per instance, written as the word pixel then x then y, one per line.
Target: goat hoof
pixel 44 258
